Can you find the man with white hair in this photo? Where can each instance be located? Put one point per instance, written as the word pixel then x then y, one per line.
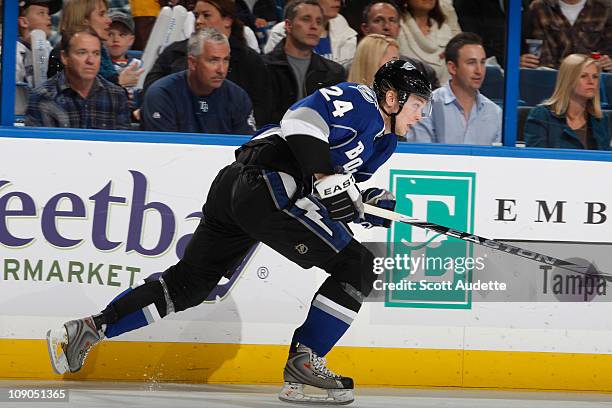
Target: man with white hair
pixel 200 99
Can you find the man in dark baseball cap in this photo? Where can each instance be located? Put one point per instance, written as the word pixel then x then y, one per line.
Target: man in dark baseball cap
pixel 33 15
pixel 36 14
pixel 53 5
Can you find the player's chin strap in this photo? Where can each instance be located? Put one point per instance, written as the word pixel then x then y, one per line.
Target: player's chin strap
pixel 392 116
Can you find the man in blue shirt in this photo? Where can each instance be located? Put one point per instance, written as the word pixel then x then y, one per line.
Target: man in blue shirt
pixel 461 114
pixel 200 99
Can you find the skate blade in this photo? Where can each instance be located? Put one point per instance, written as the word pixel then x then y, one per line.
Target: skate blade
pixel 55 342
pixel 294 393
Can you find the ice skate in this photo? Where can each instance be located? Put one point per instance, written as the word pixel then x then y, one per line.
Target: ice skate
pixel 305 368
pixel 69 345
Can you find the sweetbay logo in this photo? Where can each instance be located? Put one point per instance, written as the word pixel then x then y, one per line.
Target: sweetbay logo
pixel 445 198
pixel 77 233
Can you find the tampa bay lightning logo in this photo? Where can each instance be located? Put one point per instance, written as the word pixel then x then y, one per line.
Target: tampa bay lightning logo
pixel 408 66
pixel 367 93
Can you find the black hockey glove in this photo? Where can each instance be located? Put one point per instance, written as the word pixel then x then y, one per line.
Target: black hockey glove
pixel 381 198
pixel 340 195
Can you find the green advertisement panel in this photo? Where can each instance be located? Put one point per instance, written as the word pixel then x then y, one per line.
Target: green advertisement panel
pixel 436 260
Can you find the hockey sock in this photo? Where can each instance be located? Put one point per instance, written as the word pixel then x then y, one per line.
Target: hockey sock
pixel 133 308
pixel 331 313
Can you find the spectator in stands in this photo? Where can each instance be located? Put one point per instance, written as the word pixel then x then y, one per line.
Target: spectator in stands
pixel 210 15
pixel 568 27
pixel 571 118
pixel 33 15
pixel 424 33
pixel 78 97
pixel 383 17
pixel 353 12
pixel 338 40
pixel 247 68
pixel 120 40
pixel 295 70
pixel 93 13
pixel 373 51
pixel 460 113
pixel 200 99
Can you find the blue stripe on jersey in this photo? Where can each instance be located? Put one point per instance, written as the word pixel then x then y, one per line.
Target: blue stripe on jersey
pixel 321 331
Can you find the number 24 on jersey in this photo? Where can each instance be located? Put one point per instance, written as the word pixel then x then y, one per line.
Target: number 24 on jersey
pixel 340 107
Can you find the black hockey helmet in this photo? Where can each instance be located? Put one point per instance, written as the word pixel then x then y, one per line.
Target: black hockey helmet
pixel 404 78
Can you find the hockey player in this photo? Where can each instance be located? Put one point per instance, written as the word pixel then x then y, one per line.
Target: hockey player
pixel 292 187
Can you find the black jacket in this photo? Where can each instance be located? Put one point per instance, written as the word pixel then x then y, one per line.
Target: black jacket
pixel 247 70
pixel 321 73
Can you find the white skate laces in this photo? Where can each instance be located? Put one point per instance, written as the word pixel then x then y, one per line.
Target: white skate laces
pixel 320 365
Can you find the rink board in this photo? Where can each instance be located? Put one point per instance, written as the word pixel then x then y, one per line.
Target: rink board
pixel 82 220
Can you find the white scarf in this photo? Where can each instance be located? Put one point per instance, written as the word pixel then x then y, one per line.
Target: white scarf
pixel 427 48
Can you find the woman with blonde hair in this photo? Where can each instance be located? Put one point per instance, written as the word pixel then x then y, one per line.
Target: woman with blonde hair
pixel 92 13
pixel 372 52
pixel 571 118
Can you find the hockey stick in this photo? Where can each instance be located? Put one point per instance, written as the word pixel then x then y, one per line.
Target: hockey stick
pixel 489 243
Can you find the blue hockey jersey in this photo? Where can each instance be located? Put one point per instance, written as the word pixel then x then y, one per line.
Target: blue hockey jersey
pixel 344 117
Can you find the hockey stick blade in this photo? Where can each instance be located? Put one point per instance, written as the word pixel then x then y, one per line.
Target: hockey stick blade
pixel 489 243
